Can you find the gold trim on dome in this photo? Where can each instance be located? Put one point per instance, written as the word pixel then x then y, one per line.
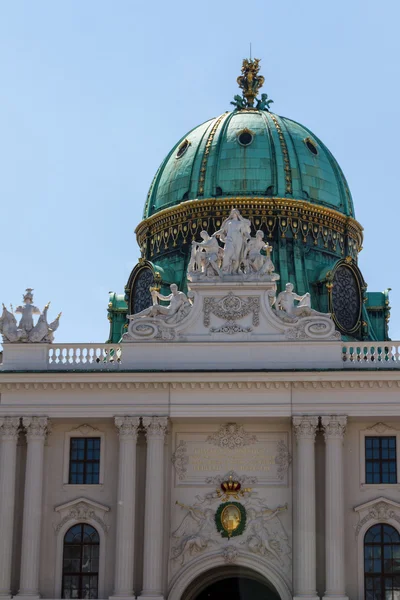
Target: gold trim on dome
pixel 288 171
pixel 299 218
pixel 203 168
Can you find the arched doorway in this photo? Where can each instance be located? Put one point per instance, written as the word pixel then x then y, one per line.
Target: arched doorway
pixel 233 582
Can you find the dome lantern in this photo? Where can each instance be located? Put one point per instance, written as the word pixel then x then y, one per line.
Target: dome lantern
pixel 250 83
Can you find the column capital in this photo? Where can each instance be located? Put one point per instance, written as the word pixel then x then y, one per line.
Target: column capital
pixel 9 428
pixel 127 427
pixel 334 426
pixel 305 427
pixel 37 428
pixel 156 427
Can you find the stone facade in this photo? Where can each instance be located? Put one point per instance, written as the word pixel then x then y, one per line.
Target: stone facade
pixel 295 442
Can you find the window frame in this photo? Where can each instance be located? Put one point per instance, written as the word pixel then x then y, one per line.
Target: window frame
pixel 64 511
pixel 86 461
pixel 83 432
pixel 378 430
pixel 82 573
pixel 380 460
pixel 382 575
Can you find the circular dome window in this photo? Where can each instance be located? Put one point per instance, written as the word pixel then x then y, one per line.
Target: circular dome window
pixel 245 138
pixel 311 146
pixel 182 148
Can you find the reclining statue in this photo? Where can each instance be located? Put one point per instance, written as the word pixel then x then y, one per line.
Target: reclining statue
pixel 286 305
pixel 179 306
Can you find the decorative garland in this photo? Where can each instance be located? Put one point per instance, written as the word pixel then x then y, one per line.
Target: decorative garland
pixel 218 521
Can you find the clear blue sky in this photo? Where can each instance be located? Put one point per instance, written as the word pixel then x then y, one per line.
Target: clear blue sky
pixel 93 94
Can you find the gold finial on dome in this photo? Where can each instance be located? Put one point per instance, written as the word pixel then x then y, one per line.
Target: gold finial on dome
pixel 251 82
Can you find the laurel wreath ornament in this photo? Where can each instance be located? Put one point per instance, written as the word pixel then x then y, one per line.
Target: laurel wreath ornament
pixel 218 520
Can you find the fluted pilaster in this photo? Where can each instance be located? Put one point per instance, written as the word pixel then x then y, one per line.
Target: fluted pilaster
pixel 334 428
pixel 36 432
pixel 9 427
pixel 124 547
pixel 305 428
pixel 156 428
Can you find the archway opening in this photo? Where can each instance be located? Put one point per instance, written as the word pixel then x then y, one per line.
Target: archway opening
pixel 233 582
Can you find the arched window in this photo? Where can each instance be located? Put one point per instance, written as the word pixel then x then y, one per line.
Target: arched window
pixel 81 562
pixel 382 563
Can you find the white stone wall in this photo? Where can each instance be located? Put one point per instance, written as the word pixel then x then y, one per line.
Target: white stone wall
pixel 200 404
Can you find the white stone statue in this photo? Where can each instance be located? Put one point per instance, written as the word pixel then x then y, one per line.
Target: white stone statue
pixel 241 257
pixel 206 257
pixel 26 330
pixel 287 308
pixel 234 233
pixel 254 261
pixel 178 301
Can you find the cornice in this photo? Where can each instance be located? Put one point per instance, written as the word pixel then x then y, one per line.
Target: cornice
pixel 187 209
pixel 337 385
pixel 306 220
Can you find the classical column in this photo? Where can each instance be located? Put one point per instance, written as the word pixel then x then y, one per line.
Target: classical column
pixel 124 547
pixel 304 556
pixel 334 429
pixel 8 458
pixel 36 431
pixel 154 508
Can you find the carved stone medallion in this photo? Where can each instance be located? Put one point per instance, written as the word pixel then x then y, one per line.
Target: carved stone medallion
pixel 231 308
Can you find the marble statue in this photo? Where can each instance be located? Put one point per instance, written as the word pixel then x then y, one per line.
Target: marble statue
pixel 234 233
pixel 26 330
pixel 255 262
pixel 206 256
pixel 287 309
pixel 178 302
pixel 241 258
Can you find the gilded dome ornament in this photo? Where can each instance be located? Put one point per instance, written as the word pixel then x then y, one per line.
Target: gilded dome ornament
pixel 251 82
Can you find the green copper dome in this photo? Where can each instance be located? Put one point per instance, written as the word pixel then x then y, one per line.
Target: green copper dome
pixel 250 152
pixel 281 178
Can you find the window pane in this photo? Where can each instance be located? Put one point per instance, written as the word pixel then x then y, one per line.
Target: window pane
pixel 84 460
pixel 74 534
pixel 380 459
pixel 81 562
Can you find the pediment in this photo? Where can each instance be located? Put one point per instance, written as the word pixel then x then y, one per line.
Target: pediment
pixel 81 510
pixel 81 501
pixel 377 503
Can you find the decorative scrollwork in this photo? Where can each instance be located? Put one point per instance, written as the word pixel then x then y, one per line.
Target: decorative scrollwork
pixel 232 436
pixel 231 308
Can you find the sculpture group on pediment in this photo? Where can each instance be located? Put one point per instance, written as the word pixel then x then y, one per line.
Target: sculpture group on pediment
pixel 242 256
pixel 26 330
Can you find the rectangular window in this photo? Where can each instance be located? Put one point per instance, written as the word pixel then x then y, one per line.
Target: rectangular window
pixel 84 460
pixel 380 459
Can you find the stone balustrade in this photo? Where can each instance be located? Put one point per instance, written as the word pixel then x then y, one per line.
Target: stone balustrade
pixel 271 355
pixel 371 355
pixel 84 356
